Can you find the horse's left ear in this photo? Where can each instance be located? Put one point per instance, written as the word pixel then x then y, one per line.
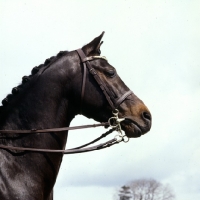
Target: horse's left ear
pixel 93 48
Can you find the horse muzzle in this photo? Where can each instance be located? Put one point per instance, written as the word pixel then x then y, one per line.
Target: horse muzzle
pixel 134 129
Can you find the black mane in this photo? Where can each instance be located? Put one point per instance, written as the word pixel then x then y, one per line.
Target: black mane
pixel 16 90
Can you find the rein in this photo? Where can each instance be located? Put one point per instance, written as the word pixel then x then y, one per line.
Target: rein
pixel 113 122
pixel 54 129
pixel 80 149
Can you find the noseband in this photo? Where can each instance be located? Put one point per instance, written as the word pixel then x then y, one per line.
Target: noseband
pixel 114 102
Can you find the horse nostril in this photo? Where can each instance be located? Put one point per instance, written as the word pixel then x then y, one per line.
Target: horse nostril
pixel 146 116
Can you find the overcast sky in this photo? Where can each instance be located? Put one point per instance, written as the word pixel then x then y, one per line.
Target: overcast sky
pixel 155 47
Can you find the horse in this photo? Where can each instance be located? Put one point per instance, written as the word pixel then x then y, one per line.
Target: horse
pixel 70 83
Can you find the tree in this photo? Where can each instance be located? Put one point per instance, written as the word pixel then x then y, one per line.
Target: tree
pixel 124 193
pixel 146 189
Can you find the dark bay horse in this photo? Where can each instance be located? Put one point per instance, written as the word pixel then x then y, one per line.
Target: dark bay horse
pixel 50 97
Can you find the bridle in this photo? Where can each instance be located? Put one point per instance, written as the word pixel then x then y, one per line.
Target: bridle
pixel 113 122
pixel 114 103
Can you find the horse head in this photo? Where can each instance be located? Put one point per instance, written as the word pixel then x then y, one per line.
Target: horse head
pixel 104 91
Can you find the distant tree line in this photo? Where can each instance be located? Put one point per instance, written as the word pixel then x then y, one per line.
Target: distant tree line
pixel 145 189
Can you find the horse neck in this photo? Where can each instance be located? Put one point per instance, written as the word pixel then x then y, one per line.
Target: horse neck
pixel 40 105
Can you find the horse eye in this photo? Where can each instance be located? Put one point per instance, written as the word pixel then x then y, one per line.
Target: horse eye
pixel 110 73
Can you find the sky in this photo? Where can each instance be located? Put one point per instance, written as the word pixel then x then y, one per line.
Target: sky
pixel 154 45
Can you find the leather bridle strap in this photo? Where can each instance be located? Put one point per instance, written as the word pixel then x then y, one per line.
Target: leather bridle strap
pixel 114 103
pixel 86 63
pixel 83 85
pixel 69 151
pixel 52 130
pixel 80 149
pixel 122 98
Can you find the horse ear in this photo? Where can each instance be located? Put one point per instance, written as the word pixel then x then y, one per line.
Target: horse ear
pixel 93 47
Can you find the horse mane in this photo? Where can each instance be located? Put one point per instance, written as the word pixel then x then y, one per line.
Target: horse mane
pixel 16 90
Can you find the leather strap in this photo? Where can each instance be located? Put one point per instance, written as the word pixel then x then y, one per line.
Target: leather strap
pixel 122 98
pixel 85 62
pixel 96 147
pixel 83 86
pixel 54 129
pixel 80 149
pixel 80 53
